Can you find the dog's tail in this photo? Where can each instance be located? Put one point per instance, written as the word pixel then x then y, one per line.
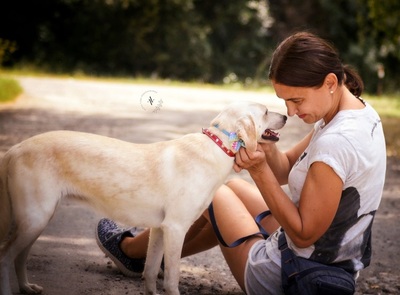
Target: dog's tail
pixel 5 207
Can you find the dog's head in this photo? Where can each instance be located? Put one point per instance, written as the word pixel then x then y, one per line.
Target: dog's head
pixel 250 122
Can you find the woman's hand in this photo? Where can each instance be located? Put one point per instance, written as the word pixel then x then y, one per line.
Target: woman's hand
pixel 254 162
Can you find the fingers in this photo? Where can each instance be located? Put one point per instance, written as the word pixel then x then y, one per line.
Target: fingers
pixel 236 167
pixel 241 160
pixel 245 159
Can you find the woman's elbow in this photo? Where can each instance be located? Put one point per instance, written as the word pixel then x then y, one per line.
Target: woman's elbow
pixel 303 242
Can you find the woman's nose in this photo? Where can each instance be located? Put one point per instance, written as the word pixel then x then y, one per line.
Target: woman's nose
pixel 291 110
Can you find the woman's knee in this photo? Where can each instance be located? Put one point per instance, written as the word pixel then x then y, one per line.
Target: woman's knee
pixel 243 188
pixel 240 187
pixel 236 183
pixel 249 194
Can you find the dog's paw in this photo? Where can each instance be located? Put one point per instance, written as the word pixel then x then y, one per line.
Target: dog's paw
pixel 31 289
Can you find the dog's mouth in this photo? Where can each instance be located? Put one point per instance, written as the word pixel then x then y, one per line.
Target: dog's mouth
pixel 270 135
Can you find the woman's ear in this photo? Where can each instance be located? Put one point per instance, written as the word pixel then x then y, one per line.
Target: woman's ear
pixel 331 82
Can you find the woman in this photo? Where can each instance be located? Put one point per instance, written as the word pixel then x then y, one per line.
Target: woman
pixel 335 176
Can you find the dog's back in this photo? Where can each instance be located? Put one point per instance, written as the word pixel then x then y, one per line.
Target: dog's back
pixel 109 175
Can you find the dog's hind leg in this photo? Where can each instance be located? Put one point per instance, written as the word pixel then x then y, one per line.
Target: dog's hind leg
pixel 20 269
pixel 34 204
pixel 153 260
pixel 18 253
pixel 22 245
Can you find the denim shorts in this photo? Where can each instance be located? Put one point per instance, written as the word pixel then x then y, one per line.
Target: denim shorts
pixel 263 274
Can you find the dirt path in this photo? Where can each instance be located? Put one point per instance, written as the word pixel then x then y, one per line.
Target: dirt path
pixel 66 259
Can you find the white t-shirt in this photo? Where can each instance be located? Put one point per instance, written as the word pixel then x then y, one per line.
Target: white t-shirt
pixel 353 145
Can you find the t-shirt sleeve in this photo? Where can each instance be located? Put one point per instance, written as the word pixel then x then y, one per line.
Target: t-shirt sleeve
pixel 337 152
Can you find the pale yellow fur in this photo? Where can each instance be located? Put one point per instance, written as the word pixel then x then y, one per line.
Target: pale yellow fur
pixel 165 186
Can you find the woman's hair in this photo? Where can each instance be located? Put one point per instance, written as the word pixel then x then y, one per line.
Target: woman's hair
pixel 304 60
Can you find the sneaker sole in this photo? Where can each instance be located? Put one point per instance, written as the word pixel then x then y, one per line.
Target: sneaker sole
pixel 121 267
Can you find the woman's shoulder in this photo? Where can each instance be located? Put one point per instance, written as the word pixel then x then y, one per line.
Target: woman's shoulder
pixel 351 131
pixel 352 122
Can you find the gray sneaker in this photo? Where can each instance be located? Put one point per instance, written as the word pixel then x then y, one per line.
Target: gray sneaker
pixel 109 237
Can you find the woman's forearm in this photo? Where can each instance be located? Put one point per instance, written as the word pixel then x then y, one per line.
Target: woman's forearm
pixel 278 162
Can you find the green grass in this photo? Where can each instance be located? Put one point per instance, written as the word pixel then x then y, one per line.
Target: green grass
pixel 388 106
pixel 9 89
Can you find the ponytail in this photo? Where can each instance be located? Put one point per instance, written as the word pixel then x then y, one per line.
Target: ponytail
pixel 353 81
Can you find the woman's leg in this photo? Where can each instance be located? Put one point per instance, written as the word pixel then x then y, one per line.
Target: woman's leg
pixel 234 222
pixel 199 238
pixel 235 207
pixel 251 197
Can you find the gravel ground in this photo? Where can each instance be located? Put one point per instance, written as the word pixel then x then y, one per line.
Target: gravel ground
pixel 66 260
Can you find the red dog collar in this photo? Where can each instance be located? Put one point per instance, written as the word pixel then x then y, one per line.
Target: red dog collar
pixel 218 142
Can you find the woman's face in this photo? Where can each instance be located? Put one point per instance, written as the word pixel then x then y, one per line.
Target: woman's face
pixel 309 104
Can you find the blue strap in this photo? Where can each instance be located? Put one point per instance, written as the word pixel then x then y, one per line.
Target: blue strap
pixel 234 140
pixel 258 219
pixel 223 130
pixel 287 256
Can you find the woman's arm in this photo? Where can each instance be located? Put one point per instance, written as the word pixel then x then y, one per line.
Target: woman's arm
pixel 319 199
pixel 282 162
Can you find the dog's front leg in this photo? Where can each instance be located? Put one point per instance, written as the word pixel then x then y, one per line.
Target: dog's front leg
pixel 174 236
pixel 153 260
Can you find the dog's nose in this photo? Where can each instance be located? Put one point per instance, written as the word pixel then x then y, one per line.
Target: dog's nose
pixel 284 118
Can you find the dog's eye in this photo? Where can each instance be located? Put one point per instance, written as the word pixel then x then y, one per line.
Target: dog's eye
pixel 266 112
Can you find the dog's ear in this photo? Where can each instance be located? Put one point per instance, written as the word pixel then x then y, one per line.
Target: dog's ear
pixel 216 120
pixel 246 131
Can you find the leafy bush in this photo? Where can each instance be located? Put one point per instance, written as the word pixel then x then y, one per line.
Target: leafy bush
pixel 9 89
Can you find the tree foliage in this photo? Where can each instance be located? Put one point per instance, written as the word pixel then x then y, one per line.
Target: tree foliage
pixel 379 39
pixel 205 40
